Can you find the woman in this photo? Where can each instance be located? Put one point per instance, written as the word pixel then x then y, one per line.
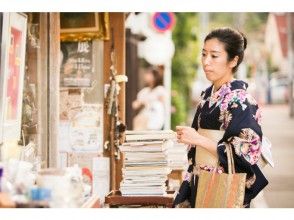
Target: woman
pixel 150 103
pixel 226 114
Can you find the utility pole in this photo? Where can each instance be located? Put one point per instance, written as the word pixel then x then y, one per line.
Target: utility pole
pixel 239 25
pixel 290 63
pixel 240 20
pixel 203 31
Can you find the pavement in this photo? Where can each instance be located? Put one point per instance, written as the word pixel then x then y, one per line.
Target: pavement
pixel 279 128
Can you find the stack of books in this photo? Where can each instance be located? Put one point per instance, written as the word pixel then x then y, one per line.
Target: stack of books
pixel 145 164
pixel 177 156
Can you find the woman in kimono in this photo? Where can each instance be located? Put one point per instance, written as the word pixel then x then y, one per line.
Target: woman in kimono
pixel 226 115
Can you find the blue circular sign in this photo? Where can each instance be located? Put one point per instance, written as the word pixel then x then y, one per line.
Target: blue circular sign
pixel 163 21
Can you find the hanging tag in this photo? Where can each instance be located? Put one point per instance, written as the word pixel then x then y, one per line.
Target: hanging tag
pixel 121 78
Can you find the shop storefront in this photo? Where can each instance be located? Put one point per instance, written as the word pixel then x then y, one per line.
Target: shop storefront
pixel 62 107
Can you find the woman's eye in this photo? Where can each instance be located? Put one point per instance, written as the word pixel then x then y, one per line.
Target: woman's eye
pixel 203 54
pixel 213 56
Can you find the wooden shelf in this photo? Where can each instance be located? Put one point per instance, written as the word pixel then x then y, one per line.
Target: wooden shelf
pixel 115 199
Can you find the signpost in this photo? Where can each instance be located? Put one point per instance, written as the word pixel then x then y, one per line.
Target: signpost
pixel 163 21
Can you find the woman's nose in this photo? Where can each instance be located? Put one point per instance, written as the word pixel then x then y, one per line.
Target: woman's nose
pixel 206 60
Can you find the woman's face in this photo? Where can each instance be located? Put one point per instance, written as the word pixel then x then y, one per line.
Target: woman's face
pixel 148 78
pixel 215 61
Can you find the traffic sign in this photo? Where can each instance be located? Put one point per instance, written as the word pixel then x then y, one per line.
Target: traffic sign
pixel 163 21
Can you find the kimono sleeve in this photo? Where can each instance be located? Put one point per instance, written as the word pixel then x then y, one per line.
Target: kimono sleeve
pixel 240 117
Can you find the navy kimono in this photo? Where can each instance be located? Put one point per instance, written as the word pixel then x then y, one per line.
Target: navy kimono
pixel 234 111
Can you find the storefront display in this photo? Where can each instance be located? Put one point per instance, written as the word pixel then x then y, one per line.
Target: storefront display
pixel 58 102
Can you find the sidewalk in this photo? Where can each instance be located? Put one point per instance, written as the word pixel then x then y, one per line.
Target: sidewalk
pixel 279 128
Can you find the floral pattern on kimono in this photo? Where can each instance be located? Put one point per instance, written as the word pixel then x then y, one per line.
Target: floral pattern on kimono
pixel 231 109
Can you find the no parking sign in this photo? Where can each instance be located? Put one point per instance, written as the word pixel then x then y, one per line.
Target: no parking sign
pixel 163 21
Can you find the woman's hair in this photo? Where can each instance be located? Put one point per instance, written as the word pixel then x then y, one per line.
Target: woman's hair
pixel 234 41
pixel 157 77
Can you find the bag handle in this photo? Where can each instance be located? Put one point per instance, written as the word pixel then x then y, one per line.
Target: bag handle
pixel 230 158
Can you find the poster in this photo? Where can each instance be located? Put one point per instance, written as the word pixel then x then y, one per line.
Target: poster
pixel 13 78
pixel 86 129
pixel 76 64
pixel 12 72
pixel 101 177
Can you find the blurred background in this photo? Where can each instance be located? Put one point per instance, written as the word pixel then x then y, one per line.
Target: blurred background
pixel 76 101
pixel 172 43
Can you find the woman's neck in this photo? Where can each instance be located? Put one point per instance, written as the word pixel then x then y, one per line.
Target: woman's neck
pixel 218 83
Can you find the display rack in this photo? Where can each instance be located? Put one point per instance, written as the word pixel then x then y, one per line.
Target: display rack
pixel 115 199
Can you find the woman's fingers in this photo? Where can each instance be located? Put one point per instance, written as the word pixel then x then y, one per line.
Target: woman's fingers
pixel 186 134
pixel 178 128
pixel 181 129
pixel 179 132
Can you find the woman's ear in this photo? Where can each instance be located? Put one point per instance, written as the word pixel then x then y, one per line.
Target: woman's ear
pixel 234 62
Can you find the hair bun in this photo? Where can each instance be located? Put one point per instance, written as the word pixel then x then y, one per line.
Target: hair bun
pixel 244 40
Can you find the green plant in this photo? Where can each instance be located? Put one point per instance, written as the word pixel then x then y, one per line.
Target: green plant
pixel 184 65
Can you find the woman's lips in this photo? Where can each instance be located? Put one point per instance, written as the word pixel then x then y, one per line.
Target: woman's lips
pixel 208 71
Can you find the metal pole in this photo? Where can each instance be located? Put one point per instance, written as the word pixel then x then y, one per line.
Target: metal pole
pixel 167 85
pixel 203 31
pixel 290 63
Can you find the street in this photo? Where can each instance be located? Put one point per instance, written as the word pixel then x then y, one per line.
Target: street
pixel 279 128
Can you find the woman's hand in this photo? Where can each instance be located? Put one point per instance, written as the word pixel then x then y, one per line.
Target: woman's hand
pixel 137 104
pixel 188 135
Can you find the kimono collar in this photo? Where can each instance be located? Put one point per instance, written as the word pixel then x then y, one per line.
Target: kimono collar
pixel 228 87
pixel 217 97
